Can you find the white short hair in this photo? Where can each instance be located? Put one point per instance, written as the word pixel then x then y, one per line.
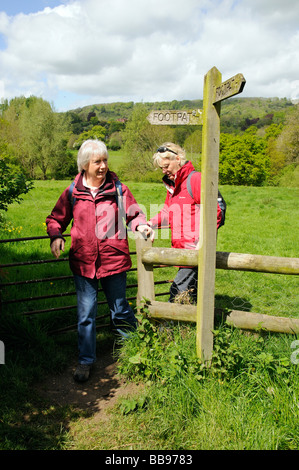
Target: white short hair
pixel 88 149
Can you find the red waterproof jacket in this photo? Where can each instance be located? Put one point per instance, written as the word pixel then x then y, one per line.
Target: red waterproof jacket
pixel 182 212
pixel 99 244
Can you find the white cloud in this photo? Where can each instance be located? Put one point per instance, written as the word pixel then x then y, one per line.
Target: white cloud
pixel 107 50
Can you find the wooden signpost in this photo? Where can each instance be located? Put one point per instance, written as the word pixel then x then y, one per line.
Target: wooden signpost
pixel 213 93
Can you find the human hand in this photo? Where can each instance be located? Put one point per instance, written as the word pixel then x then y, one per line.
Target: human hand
pixel 56 246
pixel 146 230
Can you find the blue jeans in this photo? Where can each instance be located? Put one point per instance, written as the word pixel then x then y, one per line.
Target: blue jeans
pixel 122 315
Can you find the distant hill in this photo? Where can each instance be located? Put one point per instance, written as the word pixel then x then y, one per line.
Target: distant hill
pixel 236 113
pixel 239 113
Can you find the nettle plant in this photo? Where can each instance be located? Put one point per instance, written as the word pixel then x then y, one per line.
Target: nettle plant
pixel 165 350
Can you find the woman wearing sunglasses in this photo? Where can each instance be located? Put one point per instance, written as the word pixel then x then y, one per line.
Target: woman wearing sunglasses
pixel 181 211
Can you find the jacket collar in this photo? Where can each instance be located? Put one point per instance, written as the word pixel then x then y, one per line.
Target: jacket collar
pixel 180 176
pixel 108 186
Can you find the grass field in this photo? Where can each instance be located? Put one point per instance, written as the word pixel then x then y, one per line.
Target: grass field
pixel 259 221
pixel 251 401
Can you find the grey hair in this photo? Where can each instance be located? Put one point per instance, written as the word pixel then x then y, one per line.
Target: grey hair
pixel 88 149
pixel 158 157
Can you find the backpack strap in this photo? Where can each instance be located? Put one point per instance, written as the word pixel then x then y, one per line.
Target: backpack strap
pixel 189 184
pixel 120 202
pixel 221 200
pixel 70 194
pixel 119 198
pixel 119 188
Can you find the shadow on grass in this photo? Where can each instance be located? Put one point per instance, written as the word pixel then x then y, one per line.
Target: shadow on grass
pixel 226 303
pixel 36 362
pixel 39 398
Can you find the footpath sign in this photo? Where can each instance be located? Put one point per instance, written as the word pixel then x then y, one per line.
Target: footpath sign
pixel 214 92
pixel 175 117
pixel 229 88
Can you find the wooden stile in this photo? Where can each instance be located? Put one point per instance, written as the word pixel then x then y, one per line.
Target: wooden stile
pixel 206 258
pixel 214 92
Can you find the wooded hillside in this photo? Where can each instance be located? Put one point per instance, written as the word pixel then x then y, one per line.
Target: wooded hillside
pixel 259 138
pixel 236 113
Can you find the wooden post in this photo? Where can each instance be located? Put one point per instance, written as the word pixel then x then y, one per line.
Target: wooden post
pixel 208 216
pixel 214 92
pixel 146 288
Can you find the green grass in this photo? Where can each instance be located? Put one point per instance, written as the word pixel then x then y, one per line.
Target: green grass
pixel 249 400
pixel 116 160
pixel 259 221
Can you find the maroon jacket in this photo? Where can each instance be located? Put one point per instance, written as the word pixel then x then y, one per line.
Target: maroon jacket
pixel 99 240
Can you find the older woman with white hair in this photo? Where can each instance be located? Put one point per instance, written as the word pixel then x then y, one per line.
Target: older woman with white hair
pixel 99 250
pixel 181 211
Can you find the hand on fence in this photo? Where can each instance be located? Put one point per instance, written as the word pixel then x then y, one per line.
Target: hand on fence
pixel 56 246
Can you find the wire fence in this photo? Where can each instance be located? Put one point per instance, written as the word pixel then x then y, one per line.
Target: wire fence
pixel 22 305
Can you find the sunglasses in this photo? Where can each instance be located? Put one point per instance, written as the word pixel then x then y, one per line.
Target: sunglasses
pixel 166 149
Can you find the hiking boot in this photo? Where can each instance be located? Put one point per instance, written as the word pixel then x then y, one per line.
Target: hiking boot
pixel 82 372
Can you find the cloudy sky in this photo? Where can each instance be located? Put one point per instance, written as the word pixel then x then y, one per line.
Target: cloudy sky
pixel 78 52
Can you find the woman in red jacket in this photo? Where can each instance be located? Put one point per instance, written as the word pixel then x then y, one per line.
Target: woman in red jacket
pixel 181 211
pixel 99 248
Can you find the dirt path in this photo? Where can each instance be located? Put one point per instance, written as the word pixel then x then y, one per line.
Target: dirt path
pixel 101 391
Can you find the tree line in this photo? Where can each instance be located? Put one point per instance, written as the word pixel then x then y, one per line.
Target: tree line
pixel 259 140
pixel 255 153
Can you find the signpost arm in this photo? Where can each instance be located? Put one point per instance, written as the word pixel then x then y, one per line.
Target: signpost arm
pixel 208 216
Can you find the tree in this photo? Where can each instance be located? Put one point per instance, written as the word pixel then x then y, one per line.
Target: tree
pixel 75 121
pixel 243 160
pixel 274 153
pixel 97 132
pixel 141 140
pixel 193 143
pixel 11 133
pixel 12 185
pixel 38 135
pixel 288 141
pixel 44 135
pixel 115 141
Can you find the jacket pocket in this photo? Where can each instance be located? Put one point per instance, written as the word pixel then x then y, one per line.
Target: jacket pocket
pixel 115 247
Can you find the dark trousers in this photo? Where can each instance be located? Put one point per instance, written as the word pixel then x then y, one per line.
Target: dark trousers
pixel 185 281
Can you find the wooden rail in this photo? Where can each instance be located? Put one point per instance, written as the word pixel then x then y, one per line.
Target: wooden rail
pixel 236 318
pixel 147 257
pixel 224 260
